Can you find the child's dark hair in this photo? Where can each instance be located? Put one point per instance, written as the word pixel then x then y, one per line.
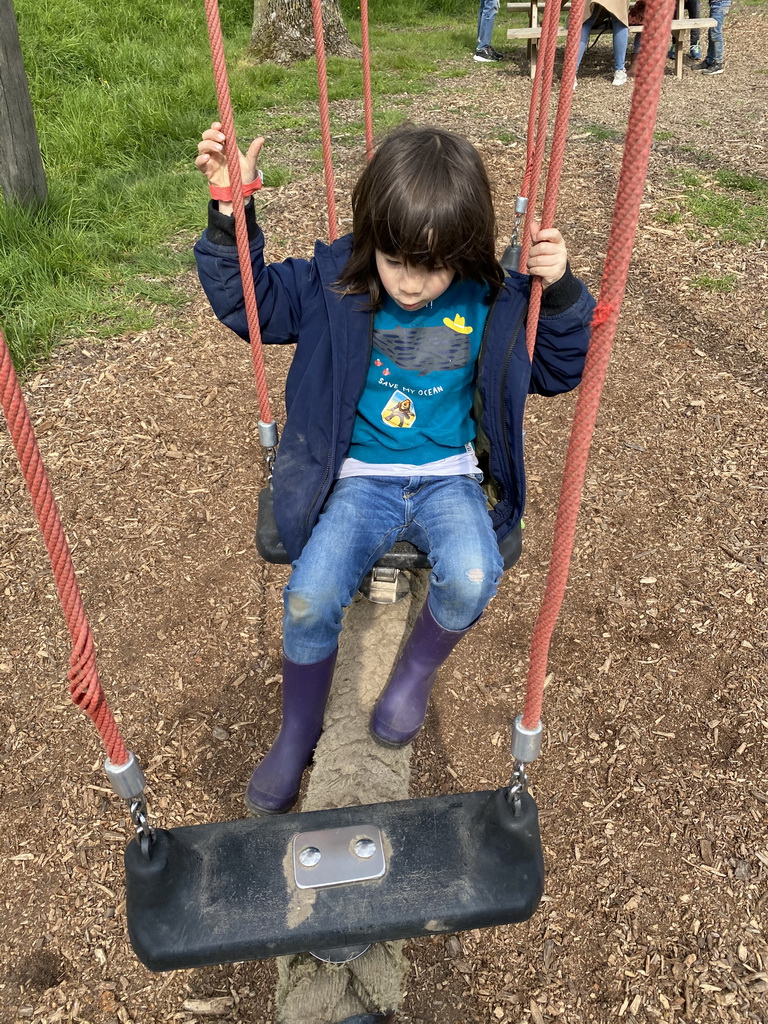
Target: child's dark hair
pixel 424 197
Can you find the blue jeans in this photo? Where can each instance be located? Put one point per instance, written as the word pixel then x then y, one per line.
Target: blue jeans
pixel 620 38
pixel 446 517
pixel 692 7
pixel 485 19
pixel 717 10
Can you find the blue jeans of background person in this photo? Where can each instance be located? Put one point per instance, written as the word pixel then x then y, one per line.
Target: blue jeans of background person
pixel 485 19
pixel 717 10
pixel 620 38
pixel 692 7
pixel 446 517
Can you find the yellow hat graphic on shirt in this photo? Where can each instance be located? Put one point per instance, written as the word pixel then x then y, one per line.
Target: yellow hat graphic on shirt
pixel 457 324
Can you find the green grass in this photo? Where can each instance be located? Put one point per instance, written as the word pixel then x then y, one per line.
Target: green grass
pixel 707 283
pixel 604 134
pixel 121 92
pixel 731 205
pixel 743 182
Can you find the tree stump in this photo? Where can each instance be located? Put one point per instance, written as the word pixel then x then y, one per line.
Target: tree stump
pixel 22 177
pixel 283 31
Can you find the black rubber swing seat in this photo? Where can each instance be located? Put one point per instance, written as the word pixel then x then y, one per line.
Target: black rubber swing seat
pixel 402 555
pixel 227 892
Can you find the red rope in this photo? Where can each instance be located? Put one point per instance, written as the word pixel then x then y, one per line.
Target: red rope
pixel 556 157
pixel 541 93
pixel 325 119
pixel 84 684
pixel 642 118
pixel 563 116
pixel 236 181
pixel 367 99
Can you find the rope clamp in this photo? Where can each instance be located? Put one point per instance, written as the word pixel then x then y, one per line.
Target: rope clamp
pixel 521 206
pixel 268 441
pixel 128 782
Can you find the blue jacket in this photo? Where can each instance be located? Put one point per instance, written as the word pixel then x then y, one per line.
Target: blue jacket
pixel 333 336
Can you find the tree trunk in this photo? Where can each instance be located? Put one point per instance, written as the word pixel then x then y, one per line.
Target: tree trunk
pixel 22 177
pixel 282 31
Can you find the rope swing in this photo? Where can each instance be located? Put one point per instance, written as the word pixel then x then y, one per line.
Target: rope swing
pixel 233 891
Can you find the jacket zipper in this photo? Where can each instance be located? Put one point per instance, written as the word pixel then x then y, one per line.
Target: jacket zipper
pixel 505 368
pixel 322 486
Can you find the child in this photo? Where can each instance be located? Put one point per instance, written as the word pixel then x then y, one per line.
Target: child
pixel 410 353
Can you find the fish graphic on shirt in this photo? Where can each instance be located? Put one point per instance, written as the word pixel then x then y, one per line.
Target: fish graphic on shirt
pixel 426 349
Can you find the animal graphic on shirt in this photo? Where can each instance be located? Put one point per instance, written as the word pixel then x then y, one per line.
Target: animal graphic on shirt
pixel 399 411
pixel 426 349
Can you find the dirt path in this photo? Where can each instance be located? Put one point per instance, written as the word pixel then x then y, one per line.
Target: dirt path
pixel 652 789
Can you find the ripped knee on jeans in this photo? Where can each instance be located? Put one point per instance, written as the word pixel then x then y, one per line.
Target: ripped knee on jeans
pixel 475 575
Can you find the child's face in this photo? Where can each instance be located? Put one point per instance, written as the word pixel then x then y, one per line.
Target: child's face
pixel 411 286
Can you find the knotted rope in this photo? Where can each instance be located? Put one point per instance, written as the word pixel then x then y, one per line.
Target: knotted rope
pixel 85 686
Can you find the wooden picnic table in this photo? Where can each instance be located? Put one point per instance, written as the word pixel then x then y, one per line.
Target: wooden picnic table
pixel 532 32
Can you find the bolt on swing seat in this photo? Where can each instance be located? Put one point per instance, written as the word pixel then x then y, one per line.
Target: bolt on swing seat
pixel 333 880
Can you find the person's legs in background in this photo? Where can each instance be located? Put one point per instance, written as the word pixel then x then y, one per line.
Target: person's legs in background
pixel 693 8
pixel 486 18
pixel 620 40
pixel 713 64
pixel 635 51
pixel 586 28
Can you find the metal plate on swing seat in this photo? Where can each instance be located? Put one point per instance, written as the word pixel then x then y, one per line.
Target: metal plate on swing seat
pixel 227 892
pixel 336 856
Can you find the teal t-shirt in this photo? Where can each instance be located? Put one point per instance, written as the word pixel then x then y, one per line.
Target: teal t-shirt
pixel 416 404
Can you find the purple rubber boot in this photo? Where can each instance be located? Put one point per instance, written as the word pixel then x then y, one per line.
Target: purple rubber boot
pixel 402 707
pixel 274 785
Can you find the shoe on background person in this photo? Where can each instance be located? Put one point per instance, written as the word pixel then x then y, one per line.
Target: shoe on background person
pixel 713 69
pixel 487 55
pixel 695 52
pixel 620 77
